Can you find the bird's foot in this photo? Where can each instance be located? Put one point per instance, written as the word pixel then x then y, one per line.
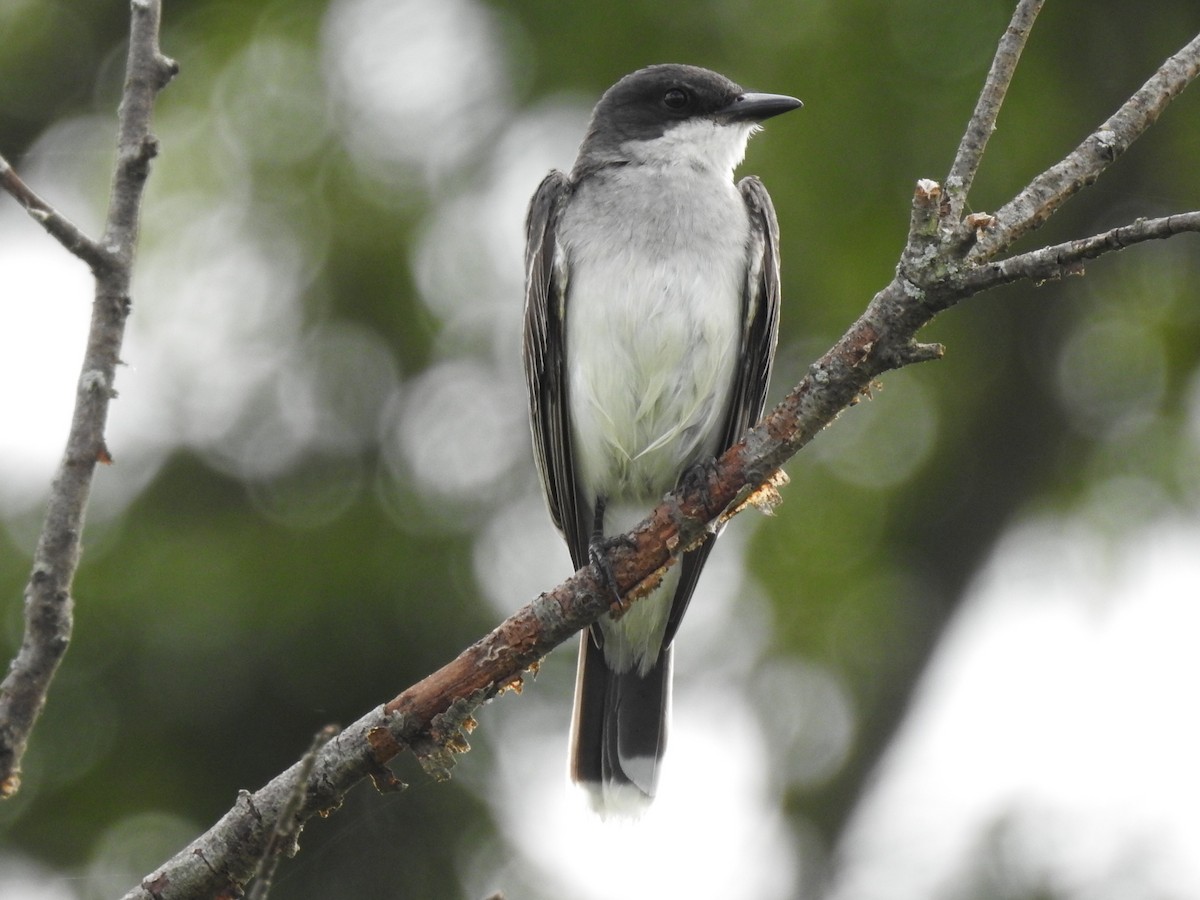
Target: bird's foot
pixel 697 477
pixel 598 550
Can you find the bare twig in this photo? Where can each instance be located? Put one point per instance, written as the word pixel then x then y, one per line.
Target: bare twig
pixel 48 603
pixel 53 221
pixel 287 829
pixel 1067 258
pixel 1046 193
pixel 983 120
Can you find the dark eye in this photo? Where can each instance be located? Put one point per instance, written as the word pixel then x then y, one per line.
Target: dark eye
pixel 675 98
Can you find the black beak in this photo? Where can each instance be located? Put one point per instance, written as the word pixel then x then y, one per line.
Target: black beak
pixel 756 107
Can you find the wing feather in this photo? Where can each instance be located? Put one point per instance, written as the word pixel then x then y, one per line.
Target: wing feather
pixel 546 275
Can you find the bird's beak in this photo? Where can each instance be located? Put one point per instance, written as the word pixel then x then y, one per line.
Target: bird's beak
pixel 756 107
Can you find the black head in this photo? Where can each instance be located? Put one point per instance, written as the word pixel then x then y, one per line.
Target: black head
pixel 647 103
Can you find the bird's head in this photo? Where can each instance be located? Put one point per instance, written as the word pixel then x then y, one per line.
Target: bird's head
pixel 677 115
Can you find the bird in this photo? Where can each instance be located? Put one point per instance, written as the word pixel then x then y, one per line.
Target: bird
pixel 652 299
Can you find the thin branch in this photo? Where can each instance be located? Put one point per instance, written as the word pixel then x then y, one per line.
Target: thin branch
pixel 983 120
pixel 58 225
pixel 283 836
pixel 48 602
pixel 1046 193
pixel 1067 258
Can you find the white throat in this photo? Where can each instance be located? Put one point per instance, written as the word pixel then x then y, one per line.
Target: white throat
pixel 699 143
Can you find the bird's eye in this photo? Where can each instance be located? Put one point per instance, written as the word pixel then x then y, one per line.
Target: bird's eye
pixel 675 98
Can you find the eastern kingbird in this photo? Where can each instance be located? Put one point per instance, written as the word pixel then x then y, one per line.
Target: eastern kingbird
pixel 651 315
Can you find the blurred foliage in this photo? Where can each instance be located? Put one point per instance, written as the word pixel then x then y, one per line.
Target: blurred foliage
pixel 216 633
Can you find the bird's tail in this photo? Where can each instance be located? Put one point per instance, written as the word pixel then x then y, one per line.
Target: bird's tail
pixel 619 730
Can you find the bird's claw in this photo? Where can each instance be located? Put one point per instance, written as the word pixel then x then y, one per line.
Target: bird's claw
pixel 598 550
pixel 697 477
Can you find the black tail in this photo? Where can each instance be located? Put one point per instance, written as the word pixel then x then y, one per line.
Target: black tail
pixel 619 730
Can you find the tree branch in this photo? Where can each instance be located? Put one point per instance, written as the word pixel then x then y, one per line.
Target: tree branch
pixel 48 603
pixel 983 120
pixel 282 841
pixel 1067 258
pixel 431 718
pixel 59 227
pixel 1046 193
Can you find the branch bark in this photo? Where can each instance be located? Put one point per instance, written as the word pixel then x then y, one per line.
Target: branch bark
pixel 58 225
pixel 48 602
pixel 944 262
pixel 1067 258
pixel 983 120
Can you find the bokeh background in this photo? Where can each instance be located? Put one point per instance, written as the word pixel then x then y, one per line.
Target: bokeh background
pixel 959 662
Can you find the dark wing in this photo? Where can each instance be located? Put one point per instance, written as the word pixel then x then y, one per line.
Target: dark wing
pixel 760 332
pixel 760 305
pixel 545 363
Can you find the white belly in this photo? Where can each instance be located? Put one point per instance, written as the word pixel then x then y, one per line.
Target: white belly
pixel 653 326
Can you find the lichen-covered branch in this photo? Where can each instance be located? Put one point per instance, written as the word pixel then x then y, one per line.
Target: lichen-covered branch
pixel 48 602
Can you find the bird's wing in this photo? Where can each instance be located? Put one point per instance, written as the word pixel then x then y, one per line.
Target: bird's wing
pixel 756 352
pixel 545 364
